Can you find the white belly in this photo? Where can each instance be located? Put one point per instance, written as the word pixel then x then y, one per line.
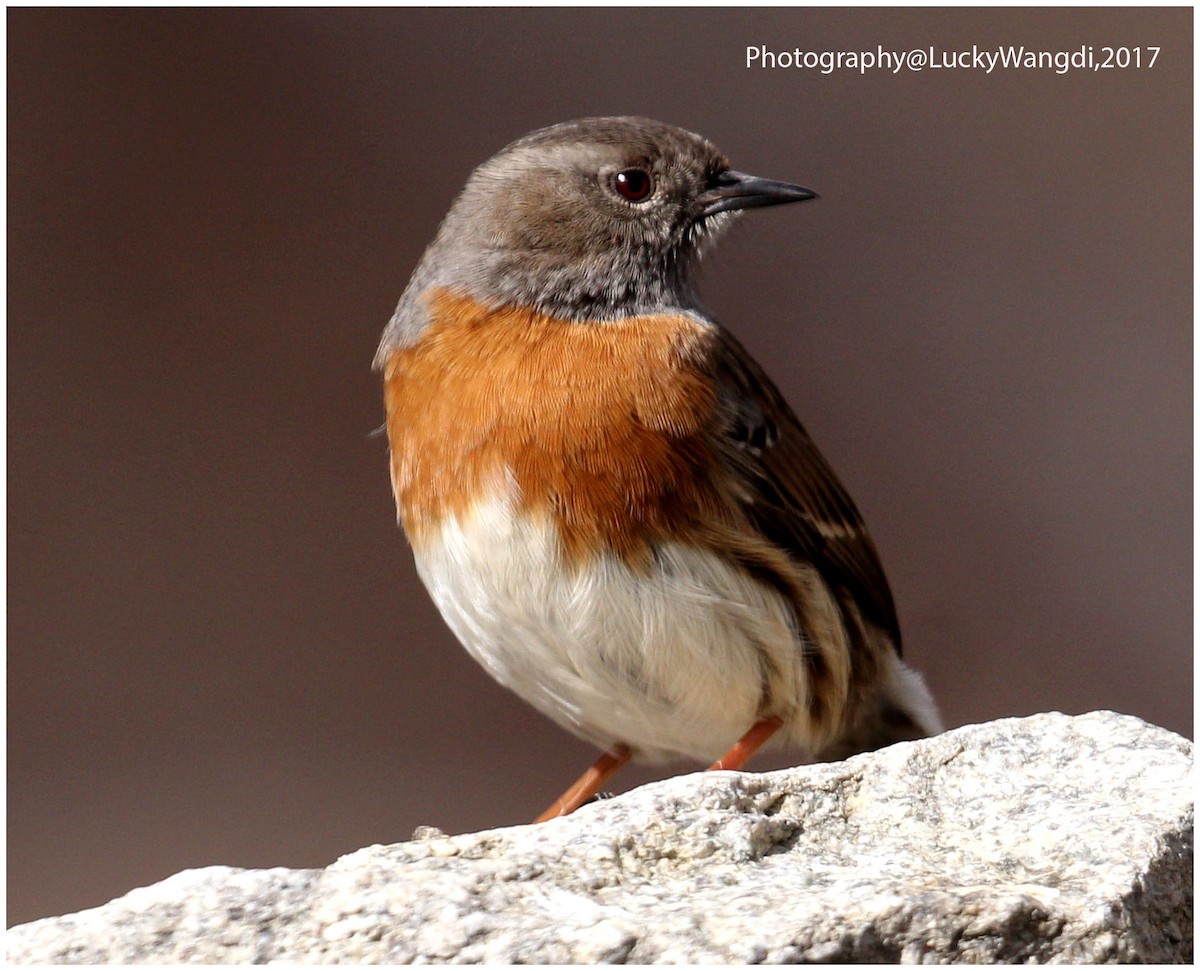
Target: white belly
pixel 669 662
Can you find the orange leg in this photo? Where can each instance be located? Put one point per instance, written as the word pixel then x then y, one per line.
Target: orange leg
pixel 587 785
pixel 748 744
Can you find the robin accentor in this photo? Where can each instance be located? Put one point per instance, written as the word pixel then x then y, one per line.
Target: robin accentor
pixel 609 501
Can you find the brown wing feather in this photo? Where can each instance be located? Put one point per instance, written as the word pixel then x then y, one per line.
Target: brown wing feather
pixel 791 493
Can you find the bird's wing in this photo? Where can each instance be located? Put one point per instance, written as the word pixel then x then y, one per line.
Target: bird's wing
pixel 790 493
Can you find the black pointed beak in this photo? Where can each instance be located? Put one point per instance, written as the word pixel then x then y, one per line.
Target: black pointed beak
pixel 736 190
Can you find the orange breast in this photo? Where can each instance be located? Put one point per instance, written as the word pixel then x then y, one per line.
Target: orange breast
pixel 599 425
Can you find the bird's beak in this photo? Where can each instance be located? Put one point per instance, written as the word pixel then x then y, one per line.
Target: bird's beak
pixel 736 190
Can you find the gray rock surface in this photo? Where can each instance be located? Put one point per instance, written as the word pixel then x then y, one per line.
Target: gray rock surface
pixel 1049 838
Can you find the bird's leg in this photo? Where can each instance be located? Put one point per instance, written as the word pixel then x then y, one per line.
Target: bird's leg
pixel 748 744
pixel 588 784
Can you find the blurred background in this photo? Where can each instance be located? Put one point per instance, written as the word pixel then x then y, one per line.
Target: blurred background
pixel 218 649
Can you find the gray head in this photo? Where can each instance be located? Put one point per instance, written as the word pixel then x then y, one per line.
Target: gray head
pixel 587 220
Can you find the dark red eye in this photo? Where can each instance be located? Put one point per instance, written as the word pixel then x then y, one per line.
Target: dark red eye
pixel 633 184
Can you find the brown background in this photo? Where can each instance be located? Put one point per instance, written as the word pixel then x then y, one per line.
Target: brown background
pixel 218 649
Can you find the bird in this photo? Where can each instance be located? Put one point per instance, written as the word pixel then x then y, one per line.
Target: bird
pixel 611 504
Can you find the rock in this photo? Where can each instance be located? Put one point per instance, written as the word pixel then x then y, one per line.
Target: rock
pixel 1049 838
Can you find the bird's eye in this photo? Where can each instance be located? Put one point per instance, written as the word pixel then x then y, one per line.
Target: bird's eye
pixel 633 184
